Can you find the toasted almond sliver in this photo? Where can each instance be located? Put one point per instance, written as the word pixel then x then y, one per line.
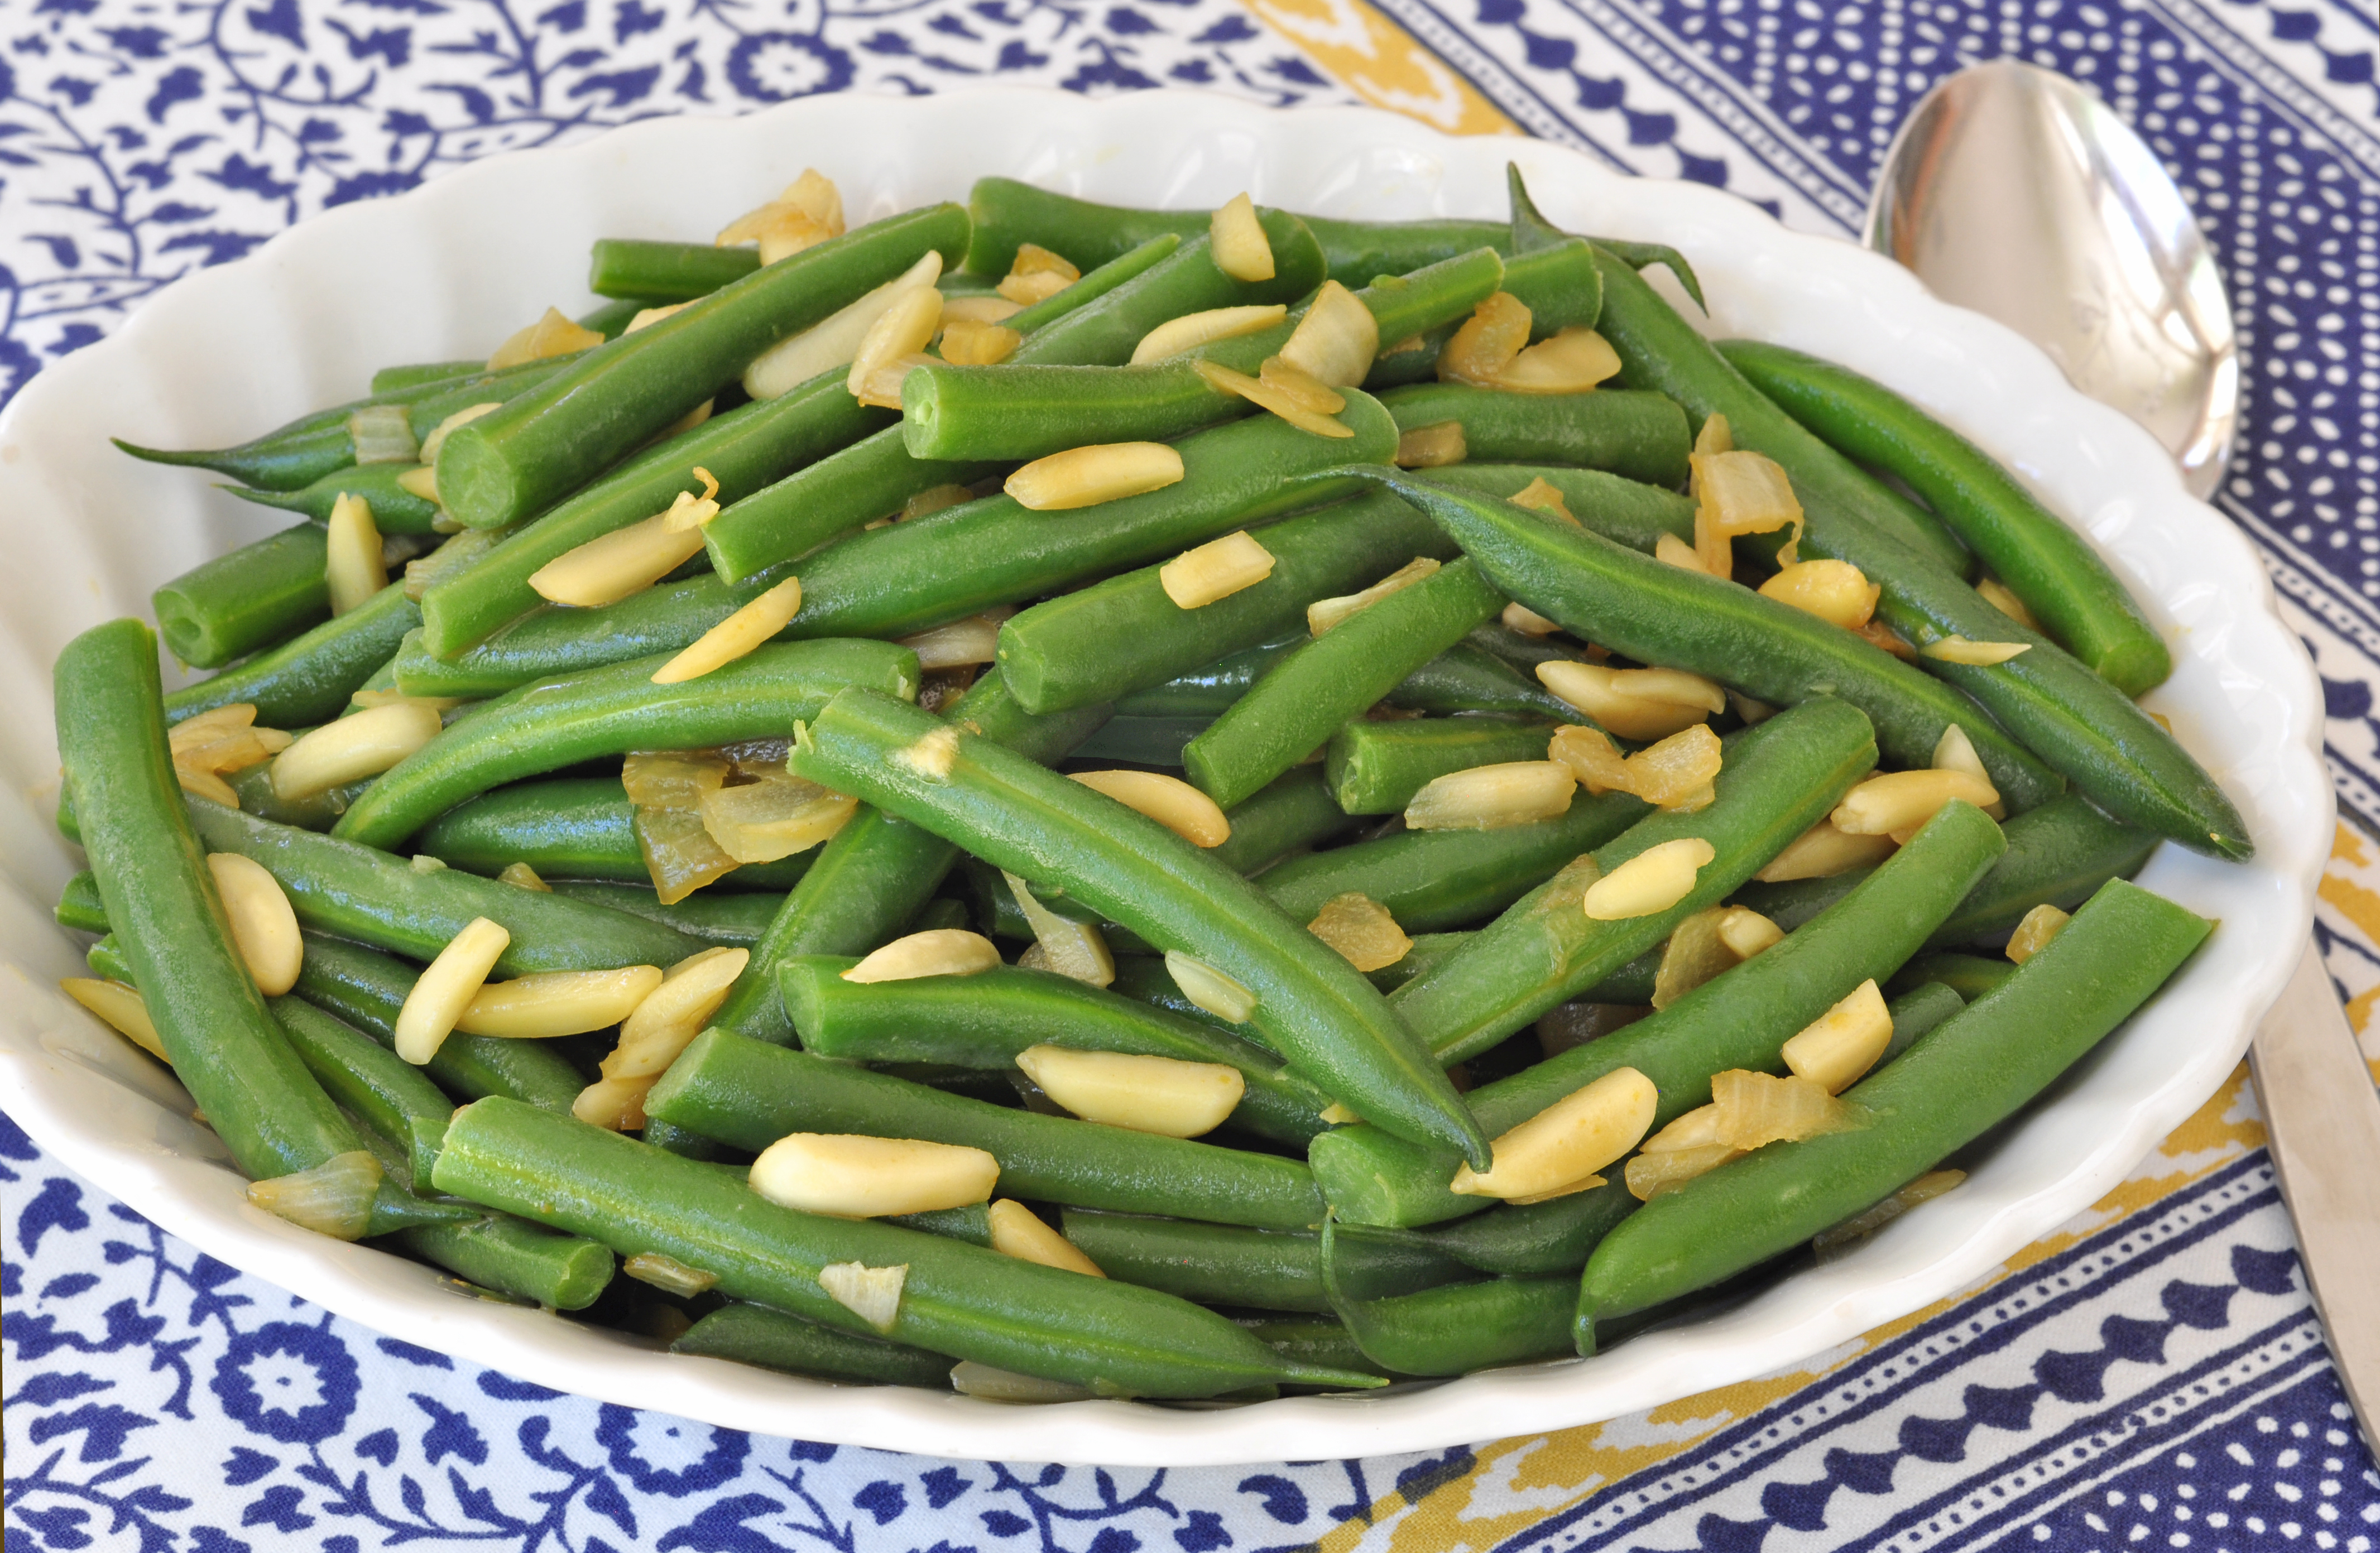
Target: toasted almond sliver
pixel 736 636
pixel 353 566
pixel 207 786
pixel 1836 1048
pixel 1224 997
pixel 968 343
pixel 1432 447
pixel 834 340
pixel 901 330
pixel 1362 930
pixel 1634 703
pixel 1018 1232
pixel 1958 649
pixel 1170 801
pixel 1027 290
pixel 1336 341
pixel 442 991
pixel 1650 1175
pixel 1747 932
pixel 688 511
pixel 1285 403
pixel 606 570
pixel 1999 595
pixel 2034 930
pixel 616 1105
pixel 351 748
pixel 120 1008
pixel 1674 551
pixel 1570 362
pixel 1486 342
pixel 1573 1138
pixel 1190 331
pixel 1542 495
pixel 1653 881
pixel 935 952
pixel 1162 1094
pixel 1299 386
pixel 666 1023
pixel 1822 852
pixel 1836 591
pixel 1527 622
pixel 1085 477
pixel 206 727
pixel 1324 614
pixel 1896 803
pixel 1215 570
pixel 433 444
pixel 549 336
pixel 1032 259
pixel 1954 751
pixel 977 310
pixel 1490 798
pixel 647 317
pixel 860 1177
pixel 263 924
pixel 549 1003
pixel 1242 250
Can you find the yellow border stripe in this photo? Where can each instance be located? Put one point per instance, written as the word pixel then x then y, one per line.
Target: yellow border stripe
pixel 1377 61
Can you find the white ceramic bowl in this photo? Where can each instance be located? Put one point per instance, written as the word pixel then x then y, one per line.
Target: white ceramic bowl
pixel 448 269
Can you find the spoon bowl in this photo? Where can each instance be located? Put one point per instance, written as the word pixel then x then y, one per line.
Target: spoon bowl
pixel 2012 190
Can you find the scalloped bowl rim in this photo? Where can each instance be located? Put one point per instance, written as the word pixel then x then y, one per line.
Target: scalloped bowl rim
pixel 246 343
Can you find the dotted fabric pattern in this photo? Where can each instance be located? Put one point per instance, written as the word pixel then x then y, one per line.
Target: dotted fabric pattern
pixel 2150 1376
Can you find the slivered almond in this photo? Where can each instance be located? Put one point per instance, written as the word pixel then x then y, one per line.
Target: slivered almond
pixel 736 636
pixel 549 1003
pixel 1161 1095
pixel 353 565
pixel 1836 591
pixel 1288 404
pixel 1490 798
pixel 854 1176
pixel 1017 1231
pixel 616 1105
pixel 263 924
pixel 1572 360
pixel 1956 752
pixel 1432 447
pixel 1822 852
pixel 901 331
pixel 666 1022
pixel 1999 595
pixel 119 1007
pixel 1324 614
pixel 436 442
pixel 1190 331
pixel 975 639
pixel 968 343
pixel 1674 551
pixel 1542 495
pixel 936 952
pixel 351 748
pixel 1242 250
pixel 1958 649
pixel 2034 930
pixel 834 340
pixel 1897 802
pixel 1299 386
pixel 1486 342
pixel 1747 932
pixel 1653 881
pixel 1225 997
pixel 1527 622
pixel 1085 477
pixel 606 570
pixel 550 335
pixel 1215 570
pixel 1634 703
pixel 688 511
pixel 1567 1142
pixel 1170 801
pixel 444 990
pixel 1839 1046
pixel 1336 341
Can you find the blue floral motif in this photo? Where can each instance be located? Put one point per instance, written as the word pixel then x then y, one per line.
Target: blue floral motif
pixel 287 1382
pixel 624 1433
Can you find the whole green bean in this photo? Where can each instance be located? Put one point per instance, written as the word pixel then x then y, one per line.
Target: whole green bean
pixel 107 961
pixel 736 920
pixel 504 467
pixel 955 1298
pixel 1969 976
pixel 517 1257
pixel 1537 1241
pixel 944 566
pixel 2070 717
pixel 394 509
pixel 871 479
pixel 1306 697
pixel 657 273
pixel 1018 411
pixel 984 1021
pixel 1777 780
pixel 1623 511
pixel 751 1094
pixel 1433 879
pixel 251 598
pixel 569 828
pixel 1637 435
pixel 309 679
pixel 1741 1018
pixel 366 989
pixel 412 374
pixel 1205 691
pixel 1311 1006
pixel 1228 1265
pixel 750 1334
pixel 613 711
pixel 1376 768
pixel 878 872
pixel 2079 602
pixel 1294 810
pixel 361 892
pixel 1462 1327
pixel 79 907
pixel 390 1095
pixel 224 1043
pixel 1658 614
pixel 1114 637
pixel 1964 1078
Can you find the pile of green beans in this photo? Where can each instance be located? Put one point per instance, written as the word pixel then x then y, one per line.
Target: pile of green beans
pixel 1312 1240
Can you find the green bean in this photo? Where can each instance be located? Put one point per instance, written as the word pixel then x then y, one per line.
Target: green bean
pixel 1314 1340
pixel 2076 722
pixel 314 445
pixel 251 598
pixel 1964 1078
pixel 413 374
pixel 1143 741
pixel 2079 602
pixel 505 466
pixel 738 921
pixel 1467 678
pixel 1738 1019
pixel 751 1094
pixel 971 1223
pixel 517 1257
pixel 1432 879
pixel 1779 779
pixel 658 273
pixel 1969 976
pixel 955 1299
pixel 309 679
pixel 1205 691
pixel 224 1043
pixel 361 892
pixel 107 961
pixel 1376 768
pixel 872 477
pixel 1557 284
pixel 688 1143
pixel 1294 810
pixel 388 1094
pixel 878 872
pixel 1428 949
pixel 1017 411
pixel 1461 1327
pixel 1639 436
pixel 750 1334
pixel 1658 614
pixel 1623 511
pixel 1916 1011
pixel 613 711
pixel 569 828
pixel 1540 1239
pixel 1306 697
pixel 79 907
pixel 1124 635
pixel 929 571
pixel 1261 1270
pixel 984 1021
pixel 394 509
pixel 612 319
pixel 366 989
pixel 1311 1006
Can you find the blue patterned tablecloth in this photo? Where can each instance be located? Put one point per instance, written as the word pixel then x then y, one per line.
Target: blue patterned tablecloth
pixel 2151 1377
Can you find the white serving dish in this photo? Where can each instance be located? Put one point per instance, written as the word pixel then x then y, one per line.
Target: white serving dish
pixel 451 268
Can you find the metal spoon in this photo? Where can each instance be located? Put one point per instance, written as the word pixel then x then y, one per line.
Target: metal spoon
pixel 2012 190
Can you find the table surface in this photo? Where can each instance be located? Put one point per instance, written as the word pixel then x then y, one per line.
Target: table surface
pixel 2150 1375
